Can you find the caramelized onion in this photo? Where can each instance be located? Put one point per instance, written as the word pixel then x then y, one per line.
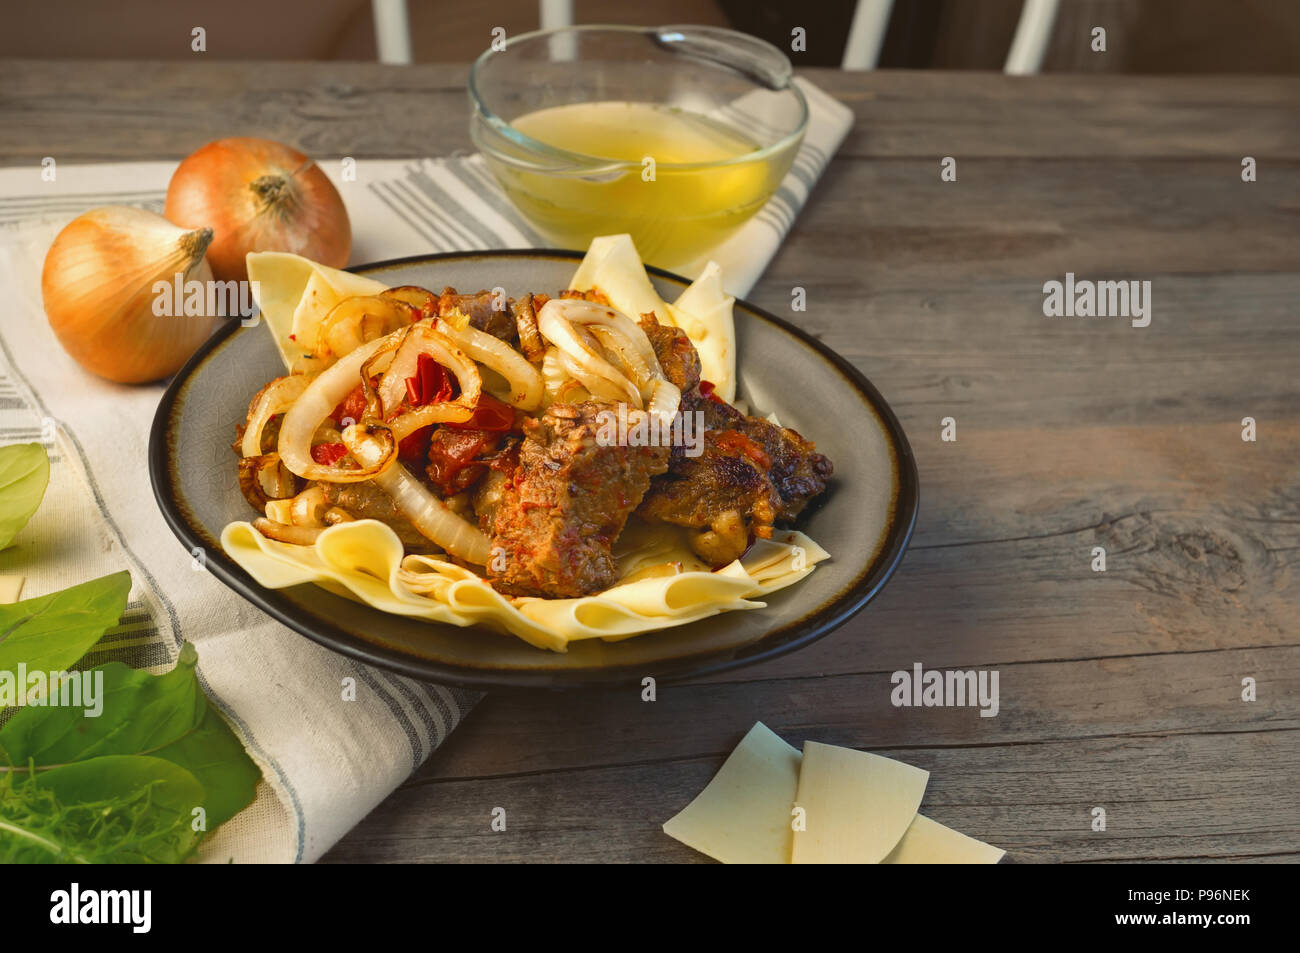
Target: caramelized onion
pixel 307 506
pixel 424 339
pixel 298 535
pixel 428 514
pixel 276 398
pixel 583 361
pixel 316 403
pixel 526 387
pixel 592 313
pixel 357 321
pixel 664 401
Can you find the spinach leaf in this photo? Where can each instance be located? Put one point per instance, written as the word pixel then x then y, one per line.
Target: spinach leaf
pixel 213 754
pixel 165 716
pixel 24 475
pixel 114 809
pixel 51 633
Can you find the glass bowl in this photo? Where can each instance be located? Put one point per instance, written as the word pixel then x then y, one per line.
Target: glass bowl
pixel 675 134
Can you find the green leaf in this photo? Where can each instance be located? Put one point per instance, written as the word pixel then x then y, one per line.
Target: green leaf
pixel 215 756
pixel 115 809
pixel 51 633
pixel 166 716
pixel 24 475
pixel 140 714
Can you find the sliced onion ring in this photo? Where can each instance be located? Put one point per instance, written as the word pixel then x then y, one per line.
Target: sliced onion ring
pixel 595 385
pixel 424 339
pixel 588 366
pixel 359 320
pixel 526 386
pixel 664 402
pixel 272 476
pixel 582 311
pixel 421 299
pixel 275 399
pixel 308 506
pixel 619 346
pixel 316 403
pixel 428 514
pixel 298 535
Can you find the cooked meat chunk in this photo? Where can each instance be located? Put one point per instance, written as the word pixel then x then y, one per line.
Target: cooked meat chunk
pixel 721 495
pixel 453 458
pixel 750 474
pixel 677 355
pixel 482 310
pixel 365 501
pixel 554 519
pixel 795 468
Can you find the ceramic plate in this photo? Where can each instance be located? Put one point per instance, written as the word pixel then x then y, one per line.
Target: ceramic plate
pixel 865 520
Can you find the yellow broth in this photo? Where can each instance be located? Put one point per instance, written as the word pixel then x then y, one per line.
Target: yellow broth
pixel 672 214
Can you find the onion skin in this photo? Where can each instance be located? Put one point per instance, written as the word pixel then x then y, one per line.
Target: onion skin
pixel 97 286
pixel 259 195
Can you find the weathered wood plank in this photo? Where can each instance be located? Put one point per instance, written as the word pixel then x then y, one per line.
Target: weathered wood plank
pixel 97 111
pixel 1189 797
pixel 1134 697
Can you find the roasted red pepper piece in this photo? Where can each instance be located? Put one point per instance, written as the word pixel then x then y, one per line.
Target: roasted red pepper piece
pixel 414 445
pixel 431 383
pixel 328 454
pixel 451 457
pixel 490 414
pixel 353 406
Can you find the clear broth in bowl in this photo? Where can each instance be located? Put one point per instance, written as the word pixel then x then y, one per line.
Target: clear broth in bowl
pixel 673 214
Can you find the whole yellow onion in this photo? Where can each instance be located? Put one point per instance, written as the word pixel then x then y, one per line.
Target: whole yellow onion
pixel 259 195
pixel 109 286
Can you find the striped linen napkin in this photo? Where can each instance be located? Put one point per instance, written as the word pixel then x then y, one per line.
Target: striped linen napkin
pixel 326 762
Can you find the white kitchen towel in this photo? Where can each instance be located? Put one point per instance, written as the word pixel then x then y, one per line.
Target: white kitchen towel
pixel 326 761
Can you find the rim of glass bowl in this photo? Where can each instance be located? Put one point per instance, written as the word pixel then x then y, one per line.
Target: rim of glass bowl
pixel 589 163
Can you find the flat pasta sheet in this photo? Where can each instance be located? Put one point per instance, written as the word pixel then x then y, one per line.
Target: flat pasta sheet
pixel 364 560
pixel 866 807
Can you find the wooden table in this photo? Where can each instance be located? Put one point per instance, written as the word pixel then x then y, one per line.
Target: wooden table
pixel 1119 689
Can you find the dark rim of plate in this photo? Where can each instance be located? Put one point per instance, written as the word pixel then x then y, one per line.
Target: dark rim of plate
pixel 794 635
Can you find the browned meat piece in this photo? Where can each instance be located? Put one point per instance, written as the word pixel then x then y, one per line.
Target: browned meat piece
pixel 750 475
pixel 554 519
pixel 721 495
pixel 482 311
pixel 530 338
pixel 797 471
pixel 595 294
pixel 677 355
pixel 365 501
